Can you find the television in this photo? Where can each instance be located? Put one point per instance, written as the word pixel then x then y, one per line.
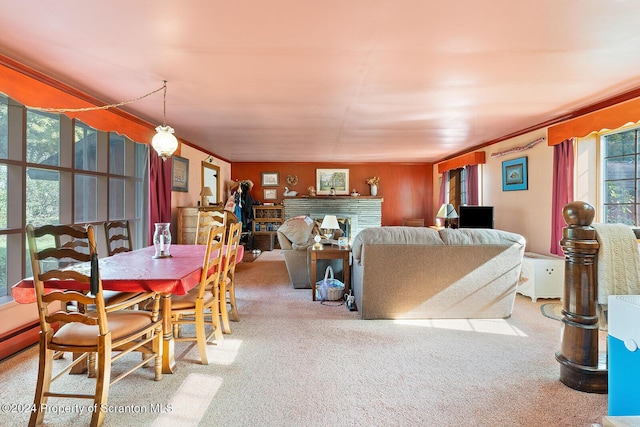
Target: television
pixel 475 216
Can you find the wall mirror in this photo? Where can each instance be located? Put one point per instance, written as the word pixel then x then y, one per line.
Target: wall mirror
pixel 211 179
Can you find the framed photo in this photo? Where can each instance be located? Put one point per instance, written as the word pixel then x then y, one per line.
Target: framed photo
pixel 179 174
pixel 270 179
pixel 338 179
pixel 514 174
pixel 270 193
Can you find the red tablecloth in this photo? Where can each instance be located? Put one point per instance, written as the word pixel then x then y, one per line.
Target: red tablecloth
pixel 138 271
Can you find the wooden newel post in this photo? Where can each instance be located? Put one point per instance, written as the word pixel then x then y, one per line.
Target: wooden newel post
pixel 581 367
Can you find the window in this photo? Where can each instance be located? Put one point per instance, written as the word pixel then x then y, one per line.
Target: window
pixel 457 187
pixel 620 175
pixel 56 170
pixel 86 142
pixel 86 198
pixel 43 138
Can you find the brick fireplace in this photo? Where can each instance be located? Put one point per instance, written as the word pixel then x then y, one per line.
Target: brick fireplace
pixel 358 212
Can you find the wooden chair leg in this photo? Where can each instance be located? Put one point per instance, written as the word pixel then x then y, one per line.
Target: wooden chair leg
pixel 233 313
pixel 177 329
pixel 201 336
pixel 216 324
pixel 103 379
pixel 224 313
pixel 157 349
pixel 91 365
pixel 45 367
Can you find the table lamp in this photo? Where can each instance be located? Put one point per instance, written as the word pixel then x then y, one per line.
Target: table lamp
pixel 447 212
pixel 317 245
pixel 205 193
pixel 329 223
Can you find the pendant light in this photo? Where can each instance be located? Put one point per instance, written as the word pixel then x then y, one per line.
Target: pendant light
pixel 164 142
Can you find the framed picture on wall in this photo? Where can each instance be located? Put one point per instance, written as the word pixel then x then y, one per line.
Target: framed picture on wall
pixel 179 174
pixel 338 179
pixel 270 193
pixel 514 174
pixel 270 179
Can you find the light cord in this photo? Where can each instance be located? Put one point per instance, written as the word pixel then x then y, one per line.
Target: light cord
pixel 106 107
pixel 164 104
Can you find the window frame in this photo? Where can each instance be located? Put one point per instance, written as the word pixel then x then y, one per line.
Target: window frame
pixel 134 173
pixel 603 203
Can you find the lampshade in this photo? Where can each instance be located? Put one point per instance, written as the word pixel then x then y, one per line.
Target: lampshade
pixel 164 142
pixel 204 193
pixel 447 211
pixel 330 222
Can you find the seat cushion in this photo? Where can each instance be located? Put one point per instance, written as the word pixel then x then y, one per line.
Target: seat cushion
pixel 121 324
pixel 188 301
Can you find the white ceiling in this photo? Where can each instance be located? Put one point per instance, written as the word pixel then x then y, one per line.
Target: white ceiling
pixel 334 80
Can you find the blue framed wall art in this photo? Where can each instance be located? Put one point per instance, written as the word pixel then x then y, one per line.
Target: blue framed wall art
pixel 514 174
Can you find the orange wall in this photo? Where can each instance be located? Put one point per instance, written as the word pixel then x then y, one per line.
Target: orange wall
pixel 407 188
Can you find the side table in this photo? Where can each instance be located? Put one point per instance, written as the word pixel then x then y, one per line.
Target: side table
pixel 331 252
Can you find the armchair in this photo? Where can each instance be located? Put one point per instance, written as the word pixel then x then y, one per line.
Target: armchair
pixel 295 236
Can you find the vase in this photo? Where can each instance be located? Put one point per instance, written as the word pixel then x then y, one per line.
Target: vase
pixel 162 239
pixel 374 190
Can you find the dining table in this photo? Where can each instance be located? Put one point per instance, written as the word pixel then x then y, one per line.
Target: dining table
pixel 139 271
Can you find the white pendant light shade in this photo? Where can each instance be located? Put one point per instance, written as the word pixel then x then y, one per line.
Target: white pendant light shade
pixel 164 142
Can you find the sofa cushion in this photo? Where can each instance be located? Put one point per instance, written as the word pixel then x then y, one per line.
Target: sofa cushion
pixel 297 230
pixel 394 236
pixel 476 236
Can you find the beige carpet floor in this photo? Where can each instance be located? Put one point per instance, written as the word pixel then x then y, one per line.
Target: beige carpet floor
pixel 291 362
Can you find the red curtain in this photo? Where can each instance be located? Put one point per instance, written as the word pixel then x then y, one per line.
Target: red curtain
pixel 562 190
pixel 472 185
pixel 443 188
pixel 159 191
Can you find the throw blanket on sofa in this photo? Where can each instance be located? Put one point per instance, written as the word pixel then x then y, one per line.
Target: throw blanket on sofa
pixel 618 261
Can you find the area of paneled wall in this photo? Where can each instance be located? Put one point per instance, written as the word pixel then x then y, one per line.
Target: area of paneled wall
pixel 407 188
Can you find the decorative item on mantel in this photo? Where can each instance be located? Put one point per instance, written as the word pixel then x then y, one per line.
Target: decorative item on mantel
pixel 289 193
pixel 354 193
pixel 312 191
pixel 373 183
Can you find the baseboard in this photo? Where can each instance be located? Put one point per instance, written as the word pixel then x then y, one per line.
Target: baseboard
pixel 18 339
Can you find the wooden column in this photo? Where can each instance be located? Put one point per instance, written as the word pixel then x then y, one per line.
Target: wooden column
pixel 581 366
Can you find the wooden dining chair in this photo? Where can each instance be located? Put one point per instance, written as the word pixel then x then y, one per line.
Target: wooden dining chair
pixel 111 298
pixel 413 222
pixel 228 309
pixel 206 220
pixel 200 307
pixel 118 235
pixel 84 331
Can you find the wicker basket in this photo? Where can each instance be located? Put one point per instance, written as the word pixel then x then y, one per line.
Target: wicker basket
pixel 333 288
pixel 335 293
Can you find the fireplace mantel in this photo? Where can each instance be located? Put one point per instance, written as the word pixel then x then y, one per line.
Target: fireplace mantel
pixel 366 209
